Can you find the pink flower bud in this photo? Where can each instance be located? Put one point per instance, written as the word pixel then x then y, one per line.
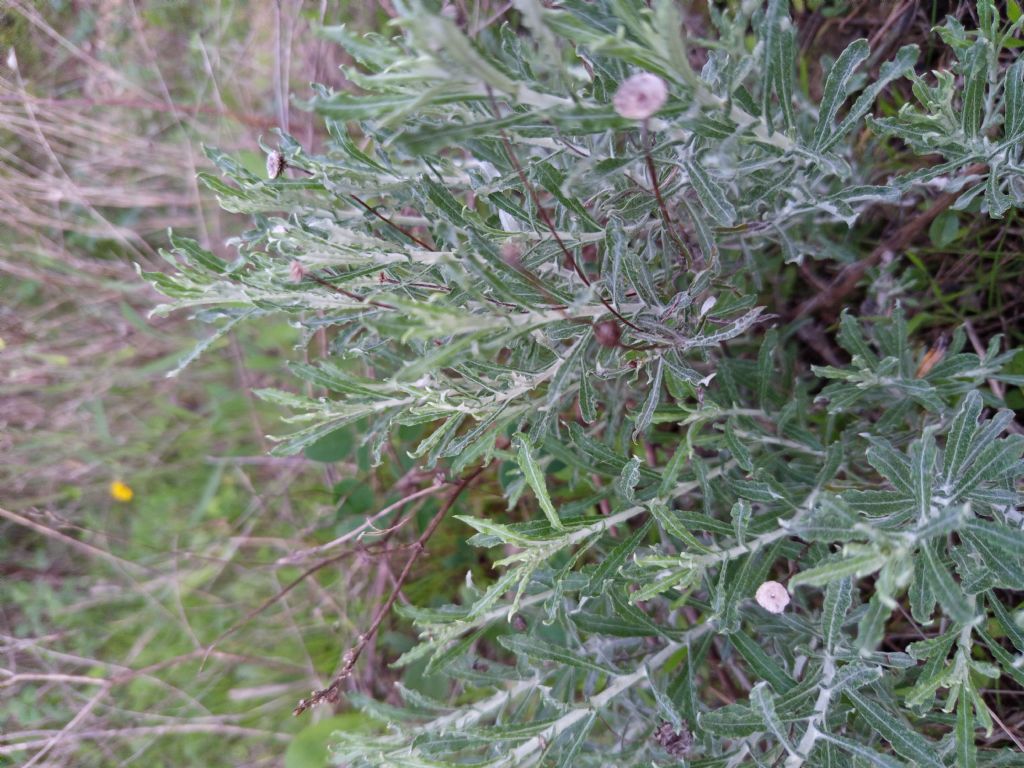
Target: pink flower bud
pixel 511 253
pixel 640 96
pixel 607 333
pixel 772 596
pixel 275 164
pixel 297 271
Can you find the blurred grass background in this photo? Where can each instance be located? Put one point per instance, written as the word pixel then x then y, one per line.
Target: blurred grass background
pixel 108 607
pixel 113 611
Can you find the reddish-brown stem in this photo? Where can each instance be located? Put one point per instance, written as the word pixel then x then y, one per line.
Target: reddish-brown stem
pixel 652 171
pixel 351 656
pixel 392 224
pixel 349 294
pixel 542 212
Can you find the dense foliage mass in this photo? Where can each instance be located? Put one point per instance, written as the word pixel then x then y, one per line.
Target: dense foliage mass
pixel 524 277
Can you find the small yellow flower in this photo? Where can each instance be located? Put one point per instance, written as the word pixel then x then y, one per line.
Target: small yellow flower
pixel 121 492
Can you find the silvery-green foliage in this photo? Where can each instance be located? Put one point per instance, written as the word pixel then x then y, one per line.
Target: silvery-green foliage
pixel 972 116
pixel 483 240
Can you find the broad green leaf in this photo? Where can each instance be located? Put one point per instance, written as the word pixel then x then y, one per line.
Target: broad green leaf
pixel 587 399
pixel 777 63
pixel 851 338
pixel 762 700
pixel 761 663
pixel 737 448
pixel 833 461
pixel 740 720
pixel 535 479
pixel 446 658
pixel 865 753
pixel 347 107
pixel 966 750
pixel 1007 662
pixel 666 706
pixel 705 237
pixel 905 740
pixel 946 590
pixel 729 331
pixel 1013 630
pixel 891 464
pixel 883 505
pixel 765 381
pixel 1013 80
pixel 922 598
pixel 944 229
pixel 855 675
pixel 678 579
pixel 1010 540
pixel 997 560
pixel 986 434
pixel 740 514
pixel 611 625
pixel 855 565
pixel 975 78
pixel 922 464
pixel 838 597
pixel 682 690
pixel 616 558
pixel 871 627
pixel 310 748
pixel 670 476
pixel 643 420
pixel 626 483
pixel 500 532
pixel 991 463
pixel 536 649
pixel 958 440
pixel 674 525
pixel 837 87
pixel 332 447
pixel 900 66
pixel 829 520
pixel 711 195
pixel 566 758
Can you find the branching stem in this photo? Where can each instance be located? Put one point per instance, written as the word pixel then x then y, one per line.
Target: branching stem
pixel 333 691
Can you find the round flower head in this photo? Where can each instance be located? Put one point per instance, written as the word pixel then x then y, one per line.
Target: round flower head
pixel 296 271
pixel 275 164
pixel 640 96
pixel 772 596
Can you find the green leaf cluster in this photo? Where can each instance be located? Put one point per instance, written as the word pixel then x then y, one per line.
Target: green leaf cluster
pixel 499 260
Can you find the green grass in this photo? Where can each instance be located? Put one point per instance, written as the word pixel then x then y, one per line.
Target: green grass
pixel 110 611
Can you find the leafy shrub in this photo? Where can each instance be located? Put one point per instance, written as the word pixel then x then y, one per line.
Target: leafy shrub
pixel 521 284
